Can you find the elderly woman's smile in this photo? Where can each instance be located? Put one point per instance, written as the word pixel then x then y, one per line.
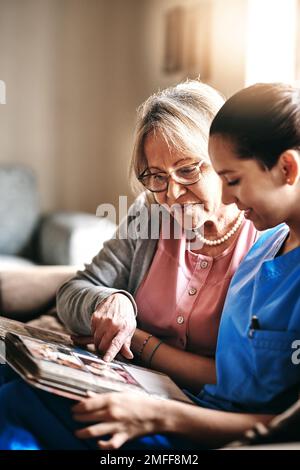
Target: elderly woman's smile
pixel 195 204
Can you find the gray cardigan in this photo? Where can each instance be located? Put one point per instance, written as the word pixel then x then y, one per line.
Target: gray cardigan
pixel 120 266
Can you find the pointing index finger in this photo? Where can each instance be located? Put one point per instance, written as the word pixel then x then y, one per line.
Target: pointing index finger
pixel 116 345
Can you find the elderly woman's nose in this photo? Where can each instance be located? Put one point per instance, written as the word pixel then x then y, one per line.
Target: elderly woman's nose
pixel 175 190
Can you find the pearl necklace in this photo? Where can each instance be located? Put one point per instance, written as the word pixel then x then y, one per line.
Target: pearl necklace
pixel 223 239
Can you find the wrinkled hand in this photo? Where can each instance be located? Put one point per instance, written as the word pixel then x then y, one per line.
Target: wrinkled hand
pixel 113 325
pixel 122 416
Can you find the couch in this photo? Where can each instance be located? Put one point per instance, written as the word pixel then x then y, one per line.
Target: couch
pixel 38 252
pixel 28 237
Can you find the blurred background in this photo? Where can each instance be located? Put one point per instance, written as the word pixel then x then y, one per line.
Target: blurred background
pixel 76 70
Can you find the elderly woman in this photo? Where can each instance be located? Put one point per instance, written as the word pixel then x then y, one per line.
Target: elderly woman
pixel 172 288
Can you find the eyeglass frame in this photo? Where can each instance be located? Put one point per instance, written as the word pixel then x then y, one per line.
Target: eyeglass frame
pixel 170 175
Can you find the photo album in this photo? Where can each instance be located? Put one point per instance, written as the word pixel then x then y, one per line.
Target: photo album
pixel 50 361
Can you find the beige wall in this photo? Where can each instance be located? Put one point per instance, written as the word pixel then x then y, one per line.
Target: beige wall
pixel 75 72
pixel 228 43
pixel 27 65
pixel 69 70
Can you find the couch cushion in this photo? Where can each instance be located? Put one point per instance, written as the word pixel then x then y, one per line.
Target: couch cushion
pixel 19 208
pixel 72 238
pixel 13 262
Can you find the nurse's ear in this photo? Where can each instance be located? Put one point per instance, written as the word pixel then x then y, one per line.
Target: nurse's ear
pixel 289 165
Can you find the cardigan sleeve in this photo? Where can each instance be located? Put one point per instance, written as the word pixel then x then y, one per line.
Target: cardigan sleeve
pixel 107 274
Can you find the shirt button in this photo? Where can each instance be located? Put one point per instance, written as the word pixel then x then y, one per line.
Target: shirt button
pixel 203 264
pixel 192 291
pixel 180 319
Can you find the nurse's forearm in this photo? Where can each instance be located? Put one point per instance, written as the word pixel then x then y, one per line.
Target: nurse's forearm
pixel 187 369
pixel 208 427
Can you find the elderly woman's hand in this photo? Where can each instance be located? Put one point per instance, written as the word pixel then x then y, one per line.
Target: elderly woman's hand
pixel 113 325
pixel 123 416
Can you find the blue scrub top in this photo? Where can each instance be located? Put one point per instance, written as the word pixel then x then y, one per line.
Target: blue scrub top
pixel 255 371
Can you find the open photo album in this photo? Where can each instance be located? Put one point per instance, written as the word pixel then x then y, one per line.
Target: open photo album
pixel 50 361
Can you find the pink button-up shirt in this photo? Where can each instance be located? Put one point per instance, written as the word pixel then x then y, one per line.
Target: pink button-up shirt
pixel 181 297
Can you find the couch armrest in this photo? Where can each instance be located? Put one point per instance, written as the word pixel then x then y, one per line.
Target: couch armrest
pixel 25 292
pixel 72 238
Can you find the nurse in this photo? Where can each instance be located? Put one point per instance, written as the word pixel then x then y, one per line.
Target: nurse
pixel 254 146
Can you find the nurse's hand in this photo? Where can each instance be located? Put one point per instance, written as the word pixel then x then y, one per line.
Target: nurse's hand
pixel 123 416
pixel 113 325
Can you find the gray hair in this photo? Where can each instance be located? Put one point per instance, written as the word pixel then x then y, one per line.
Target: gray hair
pixel 182 115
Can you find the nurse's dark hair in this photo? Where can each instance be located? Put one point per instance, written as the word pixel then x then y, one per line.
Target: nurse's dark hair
pixel 261 121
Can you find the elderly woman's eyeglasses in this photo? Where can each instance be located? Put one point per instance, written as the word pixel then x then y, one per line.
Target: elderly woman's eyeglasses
pixel 157 182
